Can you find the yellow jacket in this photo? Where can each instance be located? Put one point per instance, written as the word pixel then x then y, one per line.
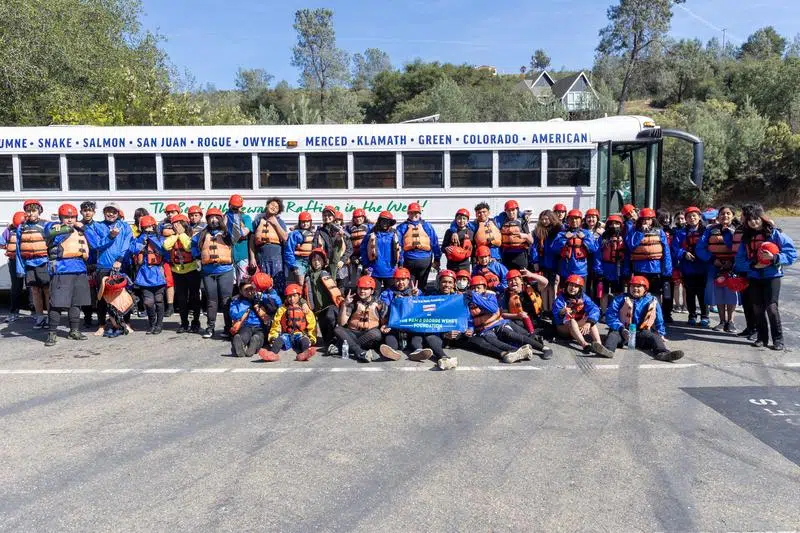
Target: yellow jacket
pixel 311 323
pixel 186 241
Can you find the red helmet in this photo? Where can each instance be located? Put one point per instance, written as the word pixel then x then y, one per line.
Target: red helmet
pixel 67 210
pixel 18 218
pixel 401 273
pixel 593 211
pixel 692 209
pixel 319 250
pixel 236 200
pixel 261 281
pixel 359 213
pixel 574 213
pixel 366 282
pixel 560 207
pixel 477 280
pixel 627 209
pixel 646 212
pixel 613 218
pixel 147 221
pixel 27 203
pixel 511 204
pixel 338 215
pixel 387 215
pixel 447 274
pixel 513 274
pixel 293 288
pixel 483 251
pixel 195 209
pixel 172 207
pixel 179 218
pixel 463 212
pixel 462 274
pixel 576 280
pixel 305 216
pixel 330 209
pixel 213 212
pixel 414 207
pixel 640 280
pixel 768 246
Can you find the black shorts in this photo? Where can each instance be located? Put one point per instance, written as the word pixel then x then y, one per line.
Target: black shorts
pixel 67 290
pixel 37 276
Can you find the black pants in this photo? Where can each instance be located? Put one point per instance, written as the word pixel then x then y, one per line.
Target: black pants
pixel 749 313
pixel 435 343
pixel 302 344
pixel 219 288
pixel 359 341
pixel 252 339
pixel 326 319
pixel 17 287
pixel 668 301
pixel 187 296
pixel 515 260
pixel 420 269
pixel 154 298
pixel 102 306
pixel 696 289
pixel 486 345
pixel 392 339
pixel 73 314
pixel 516 335
pixel 645 340
pixel 764 295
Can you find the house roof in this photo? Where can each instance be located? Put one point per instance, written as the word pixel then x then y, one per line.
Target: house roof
pixel 562 86
pixel 530 82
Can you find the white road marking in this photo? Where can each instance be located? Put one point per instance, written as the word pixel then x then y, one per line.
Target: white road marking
pixel 790 365
pixel 208 370
pixel 163 370
pixel 667 365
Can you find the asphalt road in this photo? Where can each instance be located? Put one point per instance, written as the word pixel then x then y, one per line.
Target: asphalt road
pixel 166 434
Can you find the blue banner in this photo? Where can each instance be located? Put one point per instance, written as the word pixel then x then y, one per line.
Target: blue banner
pixel 430 314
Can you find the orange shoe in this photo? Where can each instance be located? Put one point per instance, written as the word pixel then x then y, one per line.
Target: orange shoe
pixel 269 357
pixel 308 354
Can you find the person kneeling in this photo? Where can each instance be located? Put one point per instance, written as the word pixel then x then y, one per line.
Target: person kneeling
pixel 251 313
pixel 641 308
pixel 575 316
pixel 294 326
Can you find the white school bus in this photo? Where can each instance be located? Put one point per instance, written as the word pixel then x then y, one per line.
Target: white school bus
pixel 599 163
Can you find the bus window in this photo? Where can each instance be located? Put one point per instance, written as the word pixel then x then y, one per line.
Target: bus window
pixel 87 172
pixel 6 173
pixel 278 172
pixel 135 172
pixel 423 170
pixel 470 169
pixel 231 171
pixel 568 168
pixel 326 171
pixel 40 172
pixel 375 171
pixel 183 171
pixel 520 169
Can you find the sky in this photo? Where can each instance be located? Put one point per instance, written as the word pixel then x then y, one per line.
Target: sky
pixel 212 39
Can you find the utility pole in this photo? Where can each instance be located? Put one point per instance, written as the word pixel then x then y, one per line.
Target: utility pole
pixel 723 38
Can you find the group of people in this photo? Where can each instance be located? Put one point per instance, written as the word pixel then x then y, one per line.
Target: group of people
pixel 287 285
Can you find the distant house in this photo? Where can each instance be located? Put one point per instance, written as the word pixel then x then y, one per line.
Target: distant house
pixel 575 92
pixel 489 68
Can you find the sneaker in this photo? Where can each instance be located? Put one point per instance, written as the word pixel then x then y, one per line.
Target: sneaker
pixel 669 356
pixel 149 331
pixel 746 332
pixel 76 335
pixel 365 357
pixel 587 349
pixel 268 356
pixel 720 327
pixel 141 314
pixel 730 327
pixel 195 327
pixel 238 346
pixel 389 353
pixel 106 332
pixel 753 336
pixel 601 350
pixel 224 335
pixel 691 322
pixel 704 323
pixel 208 333
pixel 13 317
pixel 306 355
pixel 421 355
pixel 447 363
pixel 713 309
pixel 332 350
pixel 157 330
pixel 778 346
pixel 547 353
pixel 40 323
pixel 517 355
pixel 182 329
pixel 758 344
pixel 51 339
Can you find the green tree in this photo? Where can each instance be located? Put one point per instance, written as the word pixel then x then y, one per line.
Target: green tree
pixel 634 25
pixel 687 67
pixel 322 64
pixel 763 44
pixel 539 60
pixel 343 107
pixel 366 67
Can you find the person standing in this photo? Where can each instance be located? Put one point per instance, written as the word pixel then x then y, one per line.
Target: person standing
pixel 694 270
pixel 380 251
pixel 185 273
pixel 147 252
pixel 457 242
pixel 8 242
pixel 485 231
pixel 266 244
pixel 358 229
pixel 31 263
pixel 235 216
pixel 298 248
pixel 214 248
pixel 515 237
pixel 718 248
pixel 166 230
pixel 574 246
pixel 649 251
pixel 420 245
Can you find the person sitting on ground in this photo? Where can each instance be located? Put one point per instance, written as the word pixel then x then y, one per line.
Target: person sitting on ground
pixel 251 312
pixel 323 297
pixel 643 309
pixel 494 271
pixel 575 316
pixel 462 281
pixel 294 327
pixel 522 301
pixel 390 349
pixel 446 286
pixel 360 319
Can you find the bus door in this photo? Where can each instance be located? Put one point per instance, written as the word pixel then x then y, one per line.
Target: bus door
pixel 628 173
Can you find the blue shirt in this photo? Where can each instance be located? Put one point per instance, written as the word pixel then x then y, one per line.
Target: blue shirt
pixel 403 228
pixel 590 309
pixel 111 249
pixel 148 275
pixel 640 306
pixel 786 256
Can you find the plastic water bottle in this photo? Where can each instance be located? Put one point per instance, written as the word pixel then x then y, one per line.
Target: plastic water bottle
pixel 345 354
pixel 631 336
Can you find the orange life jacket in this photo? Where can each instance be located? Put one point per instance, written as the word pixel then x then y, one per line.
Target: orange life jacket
pixel 214 250
pixel 754 245
pixel 333 290
pixel 74 246
pixel 364 316
pixel 717 246
pixel 148 256
pixel 487 234
pixel 266 234
pixel 32 242
pixel 463 251
pixel 304 247
pixel 612 249
pixel 483 319
pixel 294 320
pixel 691 240
pixel 179 256
pixel 626 314
pixel 511 235
pixel 515 301
pixel 416 239
pixel 649 249
pixel 574 248
pixel 492 279
pixel 576 309
pixel 357 234
pixel 11 245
